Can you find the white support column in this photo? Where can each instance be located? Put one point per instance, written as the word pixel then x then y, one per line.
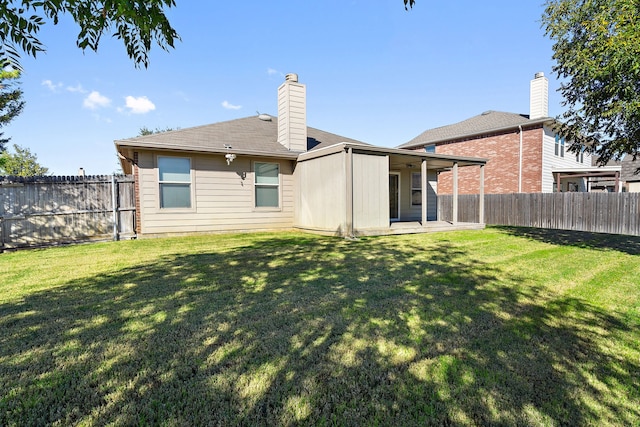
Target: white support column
pixel 454 216
pixel 481 201
pixel 423 188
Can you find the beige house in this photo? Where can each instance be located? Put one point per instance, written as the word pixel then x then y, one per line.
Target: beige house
pixel 265 173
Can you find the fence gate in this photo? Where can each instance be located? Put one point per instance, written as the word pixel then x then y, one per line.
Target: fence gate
pixel 40 211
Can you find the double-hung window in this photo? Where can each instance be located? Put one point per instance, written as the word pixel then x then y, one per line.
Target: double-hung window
pixel 559 147
pixel 416 189
pixel 580 155
pixel 267 185
pixel 174 176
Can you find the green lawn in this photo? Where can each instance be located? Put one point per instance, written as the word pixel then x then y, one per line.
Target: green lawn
pixel 503 326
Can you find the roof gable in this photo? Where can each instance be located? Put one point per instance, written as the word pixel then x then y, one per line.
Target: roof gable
pixel 487 122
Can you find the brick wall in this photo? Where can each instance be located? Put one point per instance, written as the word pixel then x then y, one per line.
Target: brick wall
pixel 501 172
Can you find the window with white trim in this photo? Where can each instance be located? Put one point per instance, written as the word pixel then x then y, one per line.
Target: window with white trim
pixel 267 185
pixel 431 148
pixel 559 147
pixel 580 155
pixel 416 189
pixel 174 177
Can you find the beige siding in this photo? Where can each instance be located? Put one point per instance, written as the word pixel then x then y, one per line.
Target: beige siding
pixel 409 212
pixel 633 187
pixel 222 197
pixel 550 161
pixel 321 194
pixel 370 191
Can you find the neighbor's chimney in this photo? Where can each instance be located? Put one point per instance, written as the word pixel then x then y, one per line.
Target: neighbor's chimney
pixel 292 114
pixel 539 97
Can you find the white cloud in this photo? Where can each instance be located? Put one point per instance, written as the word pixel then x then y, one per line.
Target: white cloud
pixel 274 72
pixel 139 105
pixel 76 89
pixel 94 100
pixel 229 106
pixel 53 87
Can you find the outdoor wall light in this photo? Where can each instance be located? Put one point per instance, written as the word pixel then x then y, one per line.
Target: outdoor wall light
pixel 230 158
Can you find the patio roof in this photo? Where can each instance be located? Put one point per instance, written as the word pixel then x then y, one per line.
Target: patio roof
pixel 398 157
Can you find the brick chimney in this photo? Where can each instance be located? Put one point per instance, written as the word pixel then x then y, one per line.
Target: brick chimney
pixel 292 114
pixel 539 97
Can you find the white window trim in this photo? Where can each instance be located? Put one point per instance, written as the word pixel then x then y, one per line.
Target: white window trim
pixel 279 185
pixel 559 147
pixel 159 183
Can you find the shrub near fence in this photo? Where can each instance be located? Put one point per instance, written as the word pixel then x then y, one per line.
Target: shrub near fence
pixel 38 211
pixel 615 213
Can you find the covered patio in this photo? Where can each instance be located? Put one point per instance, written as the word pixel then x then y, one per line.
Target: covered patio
pixel 589 179
pixel 376 190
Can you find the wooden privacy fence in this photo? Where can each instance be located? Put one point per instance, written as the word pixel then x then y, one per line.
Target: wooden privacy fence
pixel 39 211
pixel 615 213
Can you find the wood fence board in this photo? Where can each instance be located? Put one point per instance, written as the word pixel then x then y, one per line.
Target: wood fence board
pixel 46 210
pixel 614 213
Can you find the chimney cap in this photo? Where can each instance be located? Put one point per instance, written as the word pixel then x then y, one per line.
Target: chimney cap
pixel 291 77
pixel 539 75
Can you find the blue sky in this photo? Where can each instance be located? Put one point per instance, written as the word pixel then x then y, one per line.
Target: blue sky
pixel 374 72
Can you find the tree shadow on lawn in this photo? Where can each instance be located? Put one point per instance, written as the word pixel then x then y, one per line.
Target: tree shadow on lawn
pixel 582 239
pixel 297 330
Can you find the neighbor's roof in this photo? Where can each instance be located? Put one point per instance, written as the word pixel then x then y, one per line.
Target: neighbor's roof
pixel 485 123
pixel 627 165
pixel 249 135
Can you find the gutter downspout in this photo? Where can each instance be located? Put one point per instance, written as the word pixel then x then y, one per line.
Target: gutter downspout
pixel 520 162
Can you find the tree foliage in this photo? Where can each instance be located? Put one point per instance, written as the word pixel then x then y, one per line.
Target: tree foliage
pixel 409 4
pixel 144 131
pixel 11 103
pixel 21 163
pixel 597 53
pixel 136 22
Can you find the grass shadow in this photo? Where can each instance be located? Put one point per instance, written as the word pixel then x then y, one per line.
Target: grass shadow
pixel 582 239
pixel 293 330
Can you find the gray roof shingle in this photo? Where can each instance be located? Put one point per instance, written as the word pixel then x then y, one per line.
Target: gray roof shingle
pixel 246 134
pixel 628 167
pixel 486 122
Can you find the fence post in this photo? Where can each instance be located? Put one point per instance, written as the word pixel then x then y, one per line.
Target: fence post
pixel 114 201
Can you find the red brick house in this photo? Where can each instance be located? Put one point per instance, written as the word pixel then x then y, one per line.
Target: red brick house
pixel 523 152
